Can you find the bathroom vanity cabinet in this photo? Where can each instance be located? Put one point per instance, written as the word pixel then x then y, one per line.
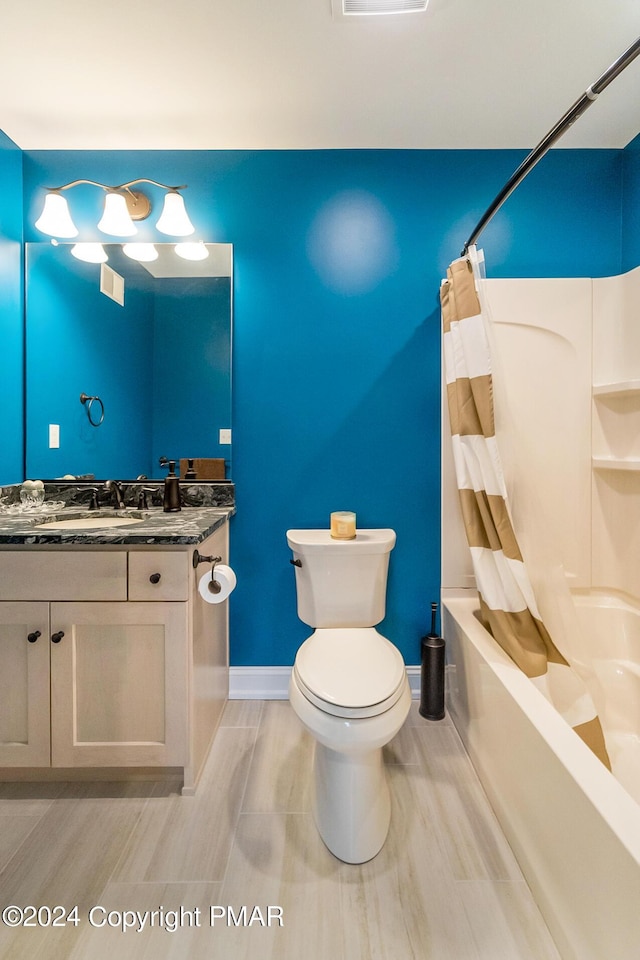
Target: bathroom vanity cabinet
pixel 110 659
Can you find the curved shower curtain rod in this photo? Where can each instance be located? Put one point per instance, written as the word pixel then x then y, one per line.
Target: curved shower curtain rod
pixel 572 114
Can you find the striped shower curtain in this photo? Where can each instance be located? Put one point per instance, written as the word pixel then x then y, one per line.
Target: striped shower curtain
pixel 507 603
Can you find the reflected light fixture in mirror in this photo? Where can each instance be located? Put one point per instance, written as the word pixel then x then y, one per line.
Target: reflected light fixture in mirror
pixel 192 251
pixel 89 252
pixel 122 207
pixel 142 252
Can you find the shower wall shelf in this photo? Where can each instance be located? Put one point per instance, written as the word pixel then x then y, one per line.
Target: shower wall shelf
pixel 619 388
pixel 630 464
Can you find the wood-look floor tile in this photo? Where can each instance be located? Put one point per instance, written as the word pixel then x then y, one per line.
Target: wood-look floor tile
pixel 278 860
pixel 13 832
pixel 281 769
pixel 506 922
pixel 66 859
pixel 159 934
pixel 404 904
pixel 242 713
pixel 449 788
pixel 403 748
pixel 444 887
pixel 184 839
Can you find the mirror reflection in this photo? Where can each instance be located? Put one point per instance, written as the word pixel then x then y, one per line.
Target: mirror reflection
pixel 151 342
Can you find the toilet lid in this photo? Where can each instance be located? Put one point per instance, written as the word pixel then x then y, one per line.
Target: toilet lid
pixel 354 672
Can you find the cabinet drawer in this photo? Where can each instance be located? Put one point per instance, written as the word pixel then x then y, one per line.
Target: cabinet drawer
pixel 154 575
pixel 62 575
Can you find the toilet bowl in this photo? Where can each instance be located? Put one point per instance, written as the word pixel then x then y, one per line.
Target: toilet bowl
pixel 350 801
pixel 348 686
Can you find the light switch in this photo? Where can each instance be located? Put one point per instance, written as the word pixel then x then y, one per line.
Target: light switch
pixel 225 436
pixel 54 436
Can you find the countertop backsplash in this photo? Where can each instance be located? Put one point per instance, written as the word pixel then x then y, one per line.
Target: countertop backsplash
pixel 78 493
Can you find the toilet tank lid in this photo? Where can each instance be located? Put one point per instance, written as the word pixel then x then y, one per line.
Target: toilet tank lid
pixel 321 541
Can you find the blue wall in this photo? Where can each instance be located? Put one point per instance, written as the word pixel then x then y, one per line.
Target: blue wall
pixel 11 336
pixel 338 260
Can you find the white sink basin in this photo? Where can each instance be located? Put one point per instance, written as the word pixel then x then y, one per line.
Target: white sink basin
pixel 88 523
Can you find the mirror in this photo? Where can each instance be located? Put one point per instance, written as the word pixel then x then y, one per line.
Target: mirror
pixel 151 342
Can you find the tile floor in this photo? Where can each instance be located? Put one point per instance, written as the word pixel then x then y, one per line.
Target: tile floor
pixel 445 886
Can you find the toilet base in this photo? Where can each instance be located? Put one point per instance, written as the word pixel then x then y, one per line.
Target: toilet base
pixel 351 802
pixel 350 798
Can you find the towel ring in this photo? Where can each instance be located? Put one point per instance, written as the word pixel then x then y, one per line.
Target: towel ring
pixel 88 402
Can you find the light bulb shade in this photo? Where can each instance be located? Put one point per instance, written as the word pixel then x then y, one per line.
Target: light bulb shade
pixel 55 218
pixel 173 219
pixel 143 252
pixel 115 219
pixel 192 251
pixel 89 252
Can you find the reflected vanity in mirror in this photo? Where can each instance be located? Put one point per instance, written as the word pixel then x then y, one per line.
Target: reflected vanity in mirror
pixel 152 341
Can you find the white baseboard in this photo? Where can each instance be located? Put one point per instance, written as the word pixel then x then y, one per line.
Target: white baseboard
pixel 413 675
pixel 272 683
pixel 259 683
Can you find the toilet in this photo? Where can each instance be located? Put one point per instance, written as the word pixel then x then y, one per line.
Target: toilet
pixel 348 684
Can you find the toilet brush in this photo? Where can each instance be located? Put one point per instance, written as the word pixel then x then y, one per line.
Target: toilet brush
pixel 432 672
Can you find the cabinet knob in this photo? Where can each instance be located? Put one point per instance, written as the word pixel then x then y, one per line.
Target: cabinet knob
pixel 57 637
pixel 154 578
pixel 32 637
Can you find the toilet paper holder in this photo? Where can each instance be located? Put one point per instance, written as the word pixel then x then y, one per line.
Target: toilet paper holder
pixel 198 558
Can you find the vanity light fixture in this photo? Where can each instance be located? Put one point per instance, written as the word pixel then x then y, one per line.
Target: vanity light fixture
pixel 89 252
pixel 122 207
pixel 174 220
pixel 196 250
pixel 116 220
pixel 55 218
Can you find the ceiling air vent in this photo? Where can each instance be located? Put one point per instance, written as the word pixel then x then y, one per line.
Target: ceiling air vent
pixel 355 8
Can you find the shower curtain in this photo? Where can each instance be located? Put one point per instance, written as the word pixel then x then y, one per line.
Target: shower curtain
pixel 507 603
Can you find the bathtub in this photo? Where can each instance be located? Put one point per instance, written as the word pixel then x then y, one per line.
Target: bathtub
pixel 573 827
pixel 610 645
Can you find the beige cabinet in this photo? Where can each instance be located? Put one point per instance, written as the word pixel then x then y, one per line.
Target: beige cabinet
pixel 93 684
pixel 110 658
pixel 24 684
pixel 119 684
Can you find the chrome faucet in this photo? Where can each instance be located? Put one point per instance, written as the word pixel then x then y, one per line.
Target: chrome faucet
pixel 116 489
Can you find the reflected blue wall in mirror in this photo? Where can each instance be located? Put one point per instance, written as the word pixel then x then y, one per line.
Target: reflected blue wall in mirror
pixel 160 364
pixel 11 337
pixel 631 205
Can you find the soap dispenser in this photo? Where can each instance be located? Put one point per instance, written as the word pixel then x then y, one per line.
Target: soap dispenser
pixel 171 490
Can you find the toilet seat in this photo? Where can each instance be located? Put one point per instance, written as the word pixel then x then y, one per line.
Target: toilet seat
pixel 350 672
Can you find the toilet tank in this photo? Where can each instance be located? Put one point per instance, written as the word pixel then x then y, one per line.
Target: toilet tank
pixel 341 583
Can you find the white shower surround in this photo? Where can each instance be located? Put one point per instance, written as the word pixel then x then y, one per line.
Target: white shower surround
pixel 571 458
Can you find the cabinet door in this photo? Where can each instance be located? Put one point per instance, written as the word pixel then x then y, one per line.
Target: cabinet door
pixel 24 685
pixel 119 684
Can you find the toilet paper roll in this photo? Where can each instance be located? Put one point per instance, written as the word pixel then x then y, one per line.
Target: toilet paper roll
pixel 218 589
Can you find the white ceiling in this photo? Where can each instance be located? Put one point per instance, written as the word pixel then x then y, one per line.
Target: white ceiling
pixel 254 74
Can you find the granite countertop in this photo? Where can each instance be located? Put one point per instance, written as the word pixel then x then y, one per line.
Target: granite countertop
pixel 189 525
